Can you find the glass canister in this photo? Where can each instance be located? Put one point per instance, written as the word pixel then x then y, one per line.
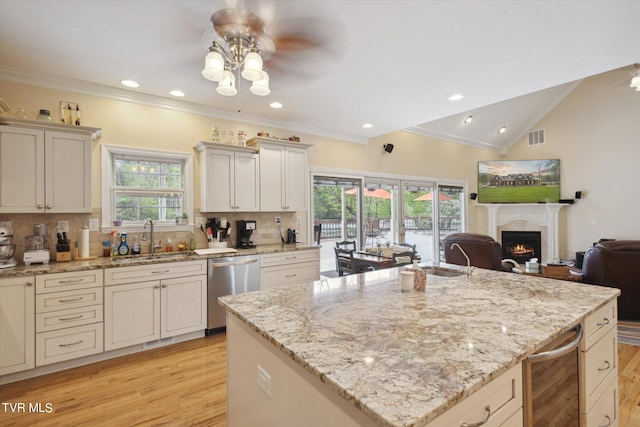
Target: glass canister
pixel 44 115
pixel 242 138
pixel 21 113
pixel 215 134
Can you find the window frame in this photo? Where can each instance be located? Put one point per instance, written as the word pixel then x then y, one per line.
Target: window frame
pixel 108 202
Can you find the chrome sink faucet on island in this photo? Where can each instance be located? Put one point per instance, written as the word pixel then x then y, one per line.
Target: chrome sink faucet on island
pixel 465 255
pixel 152 245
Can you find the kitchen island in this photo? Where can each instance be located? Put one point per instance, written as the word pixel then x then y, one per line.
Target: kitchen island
pixel 357 351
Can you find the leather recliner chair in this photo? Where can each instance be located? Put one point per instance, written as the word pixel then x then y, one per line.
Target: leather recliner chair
pixel 616 264
pixel 483 251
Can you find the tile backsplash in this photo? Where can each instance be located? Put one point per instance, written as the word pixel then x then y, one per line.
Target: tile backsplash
pixel 266 229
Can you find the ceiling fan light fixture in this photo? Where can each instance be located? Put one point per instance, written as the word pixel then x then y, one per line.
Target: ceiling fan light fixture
pixel 252 70
pixel 213 65
pixel 227 86
pixel 261 87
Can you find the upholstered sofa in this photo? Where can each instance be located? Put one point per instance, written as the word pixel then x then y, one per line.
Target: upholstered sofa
pixel 616 264
pixel 483 251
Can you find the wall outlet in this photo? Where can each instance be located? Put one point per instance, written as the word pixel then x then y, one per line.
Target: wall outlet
pixel 201 221
pixel 5 224
pixel 94 224
pixel 277 220
pixel 63 226
pixel 264 380
pixel 298 219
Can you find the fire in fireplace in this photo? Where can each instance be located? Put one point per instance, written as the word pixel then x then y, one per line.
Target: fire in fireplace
pixel 521 246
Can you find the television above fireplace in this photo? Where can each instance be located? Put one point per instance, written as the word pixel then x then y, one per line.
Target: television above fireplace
pixel 519 181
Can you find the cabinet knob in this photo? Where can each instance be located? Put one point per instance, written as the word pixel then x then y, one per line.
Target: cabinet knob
pixel 30 283
pixel 157 286
pixel 164 286
pixel 39 206
pixel 49 206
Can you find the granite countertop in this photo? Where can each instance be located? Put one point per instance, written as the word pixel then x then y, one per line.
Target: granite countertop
pixel 162 257
pixel 405 358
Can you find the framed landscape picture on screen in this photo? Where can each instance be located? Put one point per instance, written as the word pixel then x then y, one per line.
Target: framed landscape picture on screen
pixel 519 181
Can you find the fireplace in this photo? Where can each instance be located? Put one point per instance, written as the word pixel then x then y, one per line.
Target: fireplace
pixel 521 246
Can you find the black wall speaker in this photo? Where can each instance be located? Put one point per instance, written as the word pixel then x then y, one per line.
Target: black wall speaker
pixel 473 196
pixel 388 148
pixel 578 194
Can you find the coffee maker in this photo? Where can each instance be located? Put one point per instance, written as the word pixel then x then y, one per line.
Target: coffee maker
pixel 245 228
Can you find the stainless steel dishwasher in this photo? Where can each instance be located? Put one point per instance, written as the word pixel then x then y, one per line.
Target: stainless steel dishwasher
pixel 229 276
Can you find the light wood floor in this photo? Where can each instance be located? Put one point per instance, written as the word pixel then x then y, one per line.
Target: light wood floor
pixel 184 384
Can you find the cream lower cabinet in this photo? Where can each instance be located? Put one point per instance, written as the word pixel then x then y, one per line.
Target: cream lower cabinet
pixel 229 178
pixel 69 316
pixel 599 368
pixel 17 329
pixel 142 310
pixel 45 168
pixel 285 268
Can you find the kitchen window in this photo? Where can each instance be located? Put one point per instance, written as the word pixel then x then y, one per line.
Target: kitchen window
pixel 142 183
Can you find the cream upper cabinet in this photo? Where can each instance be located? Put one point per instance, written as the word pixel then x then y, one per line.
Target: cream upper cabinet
pixel 283 175
pixel 45 168
pixel 228 178
pixel 17 324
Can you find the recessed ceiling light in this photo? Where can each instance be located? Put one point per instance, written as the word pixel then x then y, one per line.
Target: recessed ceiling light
pixel 275 105
pixel 177 93
pixel 503 129
pixel 367 125
pixel 129 83
pixel 468 119
pixel 456 97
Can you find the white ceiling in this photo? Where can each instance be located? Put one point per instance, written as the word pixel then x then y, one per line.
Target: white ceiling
pixel 391 63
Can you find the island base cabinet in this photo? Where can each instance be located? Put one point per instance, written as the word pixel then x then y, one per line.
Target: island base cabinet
pixel 297 398
pixel 605 410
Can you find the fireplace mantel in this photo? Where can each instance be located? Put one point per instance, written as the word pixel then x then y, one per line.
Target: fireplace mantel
pixel 544 215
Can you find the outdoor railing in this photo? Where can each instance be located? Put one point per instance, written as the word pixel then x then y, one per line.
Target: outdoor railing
pixel 332 228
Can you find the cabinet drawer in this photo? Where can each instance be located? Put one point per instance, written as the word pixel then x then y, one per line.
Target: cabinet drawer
pixel 283 258
pixel 57 282
pixel 70 299
pixel 65 344
pixel 605 409
pixel 502 398
pixel 599 362
pixel 138 273
pixel 599 323
pixel 60 319
pixel 287 274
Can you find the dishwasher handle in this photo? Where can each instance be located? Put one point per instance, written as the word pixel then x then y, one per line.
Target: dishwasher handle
pixel 231 263
pixel 560 351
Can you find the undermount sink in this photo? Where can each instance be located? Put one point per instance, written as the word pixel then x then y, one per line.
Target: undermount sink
pixel 443 272
pixel 158 256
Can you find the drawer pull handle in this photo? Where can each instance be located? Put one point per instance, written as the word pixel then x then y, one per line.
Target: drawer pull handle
pixel 290 257
pixel 70 344
pixel 66 319
pixel 291 275
pixel 608 422
pixel 71 299
pixel 483 421
pixel 607 366
pixel 160 271
pixel 71 281
pixel 601 324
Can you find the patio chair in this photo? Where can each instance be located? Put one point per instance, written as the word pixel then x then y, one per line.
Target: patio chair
pixel 349 245
pixel 402 258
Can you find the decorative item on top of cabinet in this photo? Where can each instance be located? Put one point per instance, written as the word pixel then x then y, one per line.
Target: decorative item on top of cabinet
pixel 47 167
pixel 283 174
pixel 229 178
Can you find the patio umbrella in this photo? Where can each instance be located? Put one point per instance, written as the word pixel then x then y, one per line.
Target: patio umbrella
pixel 429 196
pixel 378 193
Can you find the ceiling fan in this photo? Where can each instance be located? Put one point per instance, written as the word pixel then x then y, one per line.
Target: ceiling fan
pixel 291 43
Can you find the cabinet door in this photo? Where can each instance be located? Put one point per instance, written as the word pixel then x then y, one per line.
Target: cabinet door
pixel 217 186
pixel 246 179
pixel 68 172
pixel 22 163
pixel 131 314
pixel 183 305
pixel 17 324
pixel 271 178
pixel 295 179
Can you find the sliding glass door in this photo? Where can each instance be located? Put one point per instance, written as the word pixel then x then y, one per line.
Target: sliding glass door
pixel 450 212
pixel 416 227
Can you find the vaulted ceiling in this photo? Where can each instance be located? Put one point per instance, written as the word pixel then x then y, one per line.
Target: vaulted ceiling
pixel 393 64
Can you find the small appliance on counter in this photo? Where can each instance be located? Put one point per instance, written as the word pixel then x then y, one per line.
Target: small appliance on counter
pixel 7 249
pixel 245 229
pixel 292 235
pixel 34 246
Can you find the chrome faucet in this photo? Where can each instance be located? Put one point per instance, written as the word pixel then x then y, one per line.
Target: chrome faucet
pixel 152 245
pixel 465 255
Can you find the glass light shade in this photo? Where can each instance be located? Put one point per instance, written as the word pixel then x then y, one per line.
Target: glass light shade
pixel 213 66
pixel 261 87
pixel 635 81
pixel 252 70
pixel 227 86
